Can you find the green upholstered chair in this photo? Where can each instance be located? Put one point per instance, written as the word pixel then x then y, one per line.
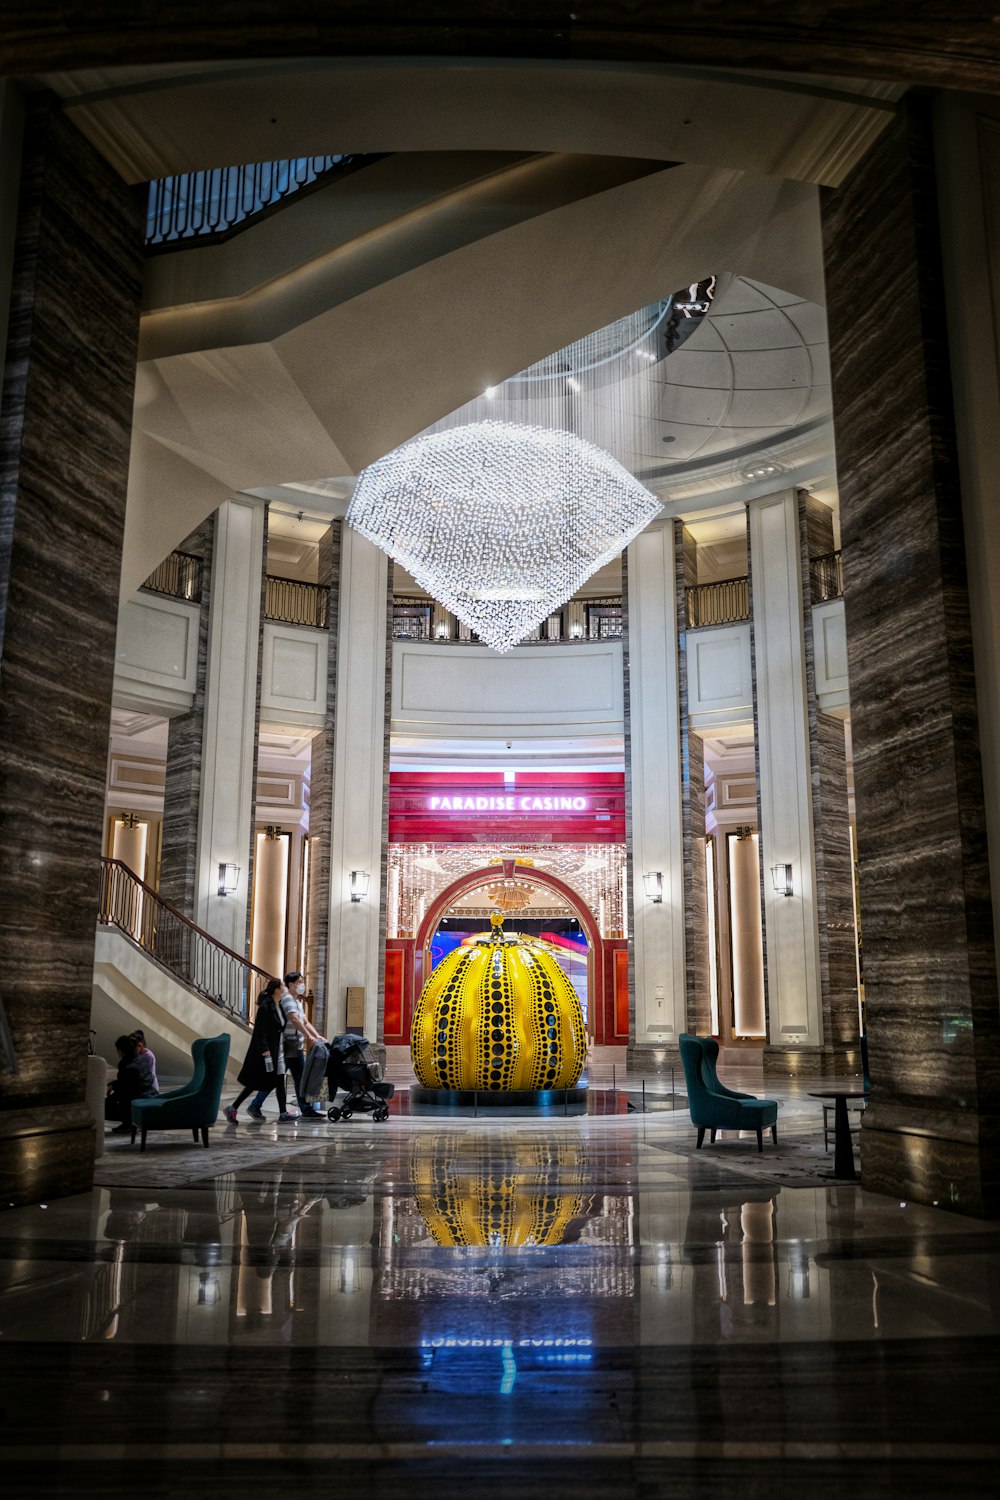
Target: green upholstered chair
pixel 714 1107
pixel 194 1106
pixel 709 1063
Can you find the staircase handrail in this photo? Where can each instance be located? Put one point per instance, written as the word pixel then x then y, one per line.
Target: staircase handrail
pixel 199 960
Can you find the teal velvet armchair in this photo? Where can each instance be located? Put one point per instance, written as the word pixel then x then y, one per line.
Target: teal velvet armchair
pixel 194 1106
pixel 713 1106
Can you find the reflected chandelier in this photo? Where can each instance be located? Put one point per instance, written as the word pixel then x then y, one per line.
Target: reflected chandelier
pixel 500 522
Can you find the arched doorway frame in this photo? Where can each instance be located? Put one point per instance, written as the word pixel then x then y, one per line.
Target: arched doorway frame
pixel 511 869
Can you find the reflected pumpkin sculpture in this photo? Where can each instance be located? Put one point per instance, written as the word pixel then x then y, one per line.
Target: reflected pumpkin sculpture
pixel 499 1015
pixel 472 1191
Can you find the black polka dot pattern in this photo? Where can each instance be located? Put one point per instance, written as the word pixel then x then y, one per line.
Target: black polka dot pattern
pixel 498 1016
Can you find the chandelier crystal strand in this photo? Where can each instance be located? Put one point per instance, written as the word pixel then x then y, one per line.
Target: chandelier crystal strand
pixel 500 522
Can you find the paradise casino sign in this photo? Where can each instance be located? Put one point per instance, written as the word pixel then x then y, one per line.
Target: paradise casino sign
pixel 546 807
pixel 505 803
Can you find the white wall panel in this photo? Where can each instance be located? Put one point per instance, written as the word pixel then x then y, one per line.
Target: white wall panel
pixel 462 691
pixel 830 652
pixel 293 682
pixel 720 685
pixel 156 654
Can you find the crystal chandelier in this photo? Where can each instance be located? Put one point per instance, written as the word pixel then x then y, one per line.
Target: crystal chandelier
pixel 500 522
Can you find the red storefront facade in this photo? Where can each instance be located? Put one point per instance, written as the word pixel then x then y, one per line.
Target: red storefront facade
pixel 520 808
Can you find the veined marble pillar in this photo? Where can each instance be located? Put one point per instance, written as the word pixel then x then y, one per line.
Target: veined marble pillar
pixel 654 783
pixel 179 855
pixel 359 783
pixel 838 965
pixel 932 1128
pixel 321 793
pixel 791 934
pixel 232 708
pixel 11 146
pixel 696 939
pixel 64 449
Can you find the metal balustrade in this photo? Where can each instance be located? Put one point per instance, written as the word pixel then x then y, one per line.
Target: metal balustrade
pixel 602 619
pixel 722 603
pixel 178 576
pixel 291 602
pixel 826 577
pixel 194 957
pixel 206 207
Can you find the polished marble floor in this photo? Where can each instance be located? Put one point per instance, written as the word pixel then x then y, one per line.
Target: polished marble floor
pixel 568 1305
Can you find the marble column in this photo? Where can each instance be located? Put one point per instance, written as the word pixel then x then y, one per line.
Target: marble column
pixel 185 751
pixel 932 1128
pixel 781 722
pixel 355 952
pixel 231 717
pixel 654 800
pixel 697 980
pixel 838 971
pixel 64 446
pixel 321 793
pixel 11 147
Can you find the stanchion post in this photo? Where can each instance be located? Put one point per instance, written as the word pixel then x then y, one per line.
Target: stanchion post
pixel 644 1096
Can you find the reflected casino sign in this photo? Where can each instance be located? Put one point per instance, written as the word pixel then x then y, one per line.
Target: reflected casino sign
pixel 506 803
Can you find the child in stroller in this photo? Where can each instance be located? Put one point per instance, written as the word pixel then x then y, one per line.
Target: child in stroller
pixel 353 1068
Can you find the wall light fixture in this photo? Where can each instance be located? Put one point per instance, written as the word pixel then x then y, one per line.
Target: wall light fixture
pixel 782 877
pixel 653 881
pixel 360 881
pixel 229 879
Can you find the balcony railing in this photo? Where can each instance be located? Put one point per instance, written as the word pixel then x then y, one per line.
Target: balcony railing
pixel 216 972
pixel 826 577
pixel 722 603
pixel 206 207
pixel 291 602
pixel 178 576
pixel 418 619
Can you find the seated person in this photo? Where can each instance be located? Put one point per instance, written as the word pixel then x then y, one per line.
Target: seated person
pixel 139 1037
pixel 135 1080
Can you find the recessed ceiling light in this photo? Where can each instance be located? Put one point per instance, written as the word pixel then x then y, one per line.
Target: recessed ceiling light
pixel 762 471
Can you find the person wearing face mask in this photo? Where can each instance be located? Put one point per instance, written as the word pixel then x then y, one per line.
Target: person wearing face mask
pixel 297 1028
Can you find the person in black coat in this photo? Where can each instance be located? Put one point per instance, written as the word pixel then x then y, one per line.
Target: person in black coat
pixel 264 1065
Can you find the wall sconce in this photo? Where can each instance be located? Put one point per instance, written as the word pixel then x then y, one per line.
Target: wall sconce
pixel 229 880
pixel 576 631
pixel 360 880
pixel 441 630
pixel 782 877
pixel 653 881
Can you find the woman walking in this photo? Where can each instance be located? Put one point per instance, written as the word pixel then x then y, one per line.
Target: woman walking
pixel 264 1065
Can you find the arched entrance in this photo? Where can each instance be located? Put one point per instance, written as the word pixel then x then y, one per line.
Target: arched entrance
pixel 607 957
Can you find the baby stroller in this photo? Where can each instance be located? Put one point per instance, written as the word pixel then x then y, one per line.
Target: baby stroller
pixel 353 1068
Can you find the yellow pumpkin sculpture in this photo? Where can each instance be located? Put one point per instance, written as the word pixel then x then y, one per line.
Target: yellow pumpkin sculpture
pixel 499 1015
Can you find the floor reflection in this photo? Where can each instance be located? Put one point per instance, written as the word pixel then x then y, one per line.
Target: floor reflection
pixel 490 1238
